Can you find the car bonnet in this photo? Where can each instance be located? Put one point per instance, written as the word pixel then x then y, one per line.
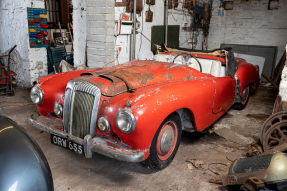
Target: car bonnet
pixel 136 74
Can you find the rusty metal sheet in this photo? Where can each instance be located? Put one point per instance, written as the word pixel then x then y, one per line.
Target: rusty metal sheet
pixel 133 75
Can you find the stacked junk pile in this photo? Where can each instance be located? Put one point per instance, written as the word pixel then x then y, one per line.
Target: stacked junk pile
pixel 268 170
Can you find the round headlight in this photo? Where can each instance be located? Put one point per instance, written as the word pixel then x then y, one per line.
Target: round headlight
pixel 58 109
pixel 36 95
pixel 126 121
pixel 103 124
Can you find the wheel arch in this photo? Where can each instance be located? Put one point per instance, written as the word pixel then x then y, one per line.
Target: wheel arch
pixel 187 119
pixel 247 74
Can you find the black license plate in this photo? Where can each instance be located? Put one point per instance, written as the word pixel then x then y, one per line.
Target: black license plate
pixel 63 142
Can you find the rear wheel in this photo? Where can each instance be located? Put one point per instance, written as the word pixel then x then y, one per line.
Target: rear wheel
pixel 244 99
pixel 165 143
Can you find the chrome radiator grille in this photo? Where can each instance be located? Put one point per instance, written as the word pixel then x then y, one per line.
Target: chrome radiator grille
pixel 81 108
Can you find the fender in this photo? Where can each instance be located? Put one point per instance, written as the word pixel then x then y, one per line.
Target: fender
pixel 247 73
pixel 54 87
pixel 151 106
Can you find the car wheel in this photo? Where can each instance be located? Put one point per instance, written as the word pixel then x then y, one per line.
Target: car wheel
pixel 244 99
pixel 165 143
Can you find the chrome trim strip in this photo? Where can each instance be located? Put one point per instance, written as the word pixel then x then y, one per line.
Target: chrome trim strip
pixel 66 110
pixel 95 112
pixel 97 144
pixel 83 86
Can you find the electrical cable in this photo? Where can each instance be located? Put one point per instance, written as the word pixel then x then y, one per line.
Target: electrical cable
pixel 183 43
pixel 120 48
pixel 215 163
pixel 144 36
pixel 229 159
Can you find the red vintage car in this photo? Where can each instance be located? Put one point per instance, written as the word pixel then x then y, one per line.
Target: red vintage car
pixel 137 111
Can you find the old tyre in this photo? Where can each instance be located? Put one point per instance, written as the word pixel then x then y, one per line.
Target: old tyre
pixel 272 120
pixel 276 135
pixel 244 99
pixel 165 143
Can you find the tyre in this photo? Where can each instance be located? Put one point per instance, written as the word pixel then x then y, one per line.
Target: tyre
pixel 244 99
pixel 165 143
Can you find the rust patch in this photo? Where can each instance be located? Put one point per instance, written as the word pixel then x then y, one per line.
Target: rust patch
pixel 187 78
pixel 190 76
pixel 112 145
pixel 168 65
pixel 110 85
pixel 140 78
pixel 51 122
pixel 113 90
pixel 130 76
pixel 168 75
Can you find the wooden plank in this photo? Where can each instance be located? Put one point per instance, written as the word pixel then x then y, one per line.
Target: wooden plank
pixel 64 12
pixel 267 78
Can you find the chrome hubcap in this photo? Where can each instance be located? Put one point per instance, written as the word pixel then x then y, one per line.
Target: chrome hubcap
pixel 245 93
pixel 166 141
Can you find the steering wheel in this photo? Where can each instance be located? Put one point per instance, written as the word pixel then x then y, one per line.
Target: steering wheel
pixel 191 56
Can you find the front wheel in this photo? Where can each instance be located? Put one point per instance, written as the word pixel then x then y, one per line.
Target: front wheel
pixel 165 143
pixel 244 99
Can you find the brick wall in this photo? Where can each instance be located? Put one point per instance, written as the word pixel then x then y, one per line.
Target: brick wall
pixel 100 32
pixel 30 63
pixel 249 23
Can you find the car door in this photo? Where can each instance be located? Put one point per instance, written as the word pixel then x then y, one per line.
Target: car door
pixel 224 93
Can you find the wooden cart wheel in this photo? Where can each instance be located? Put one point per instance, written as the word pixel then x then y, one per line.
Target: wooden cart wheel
pixel 271 120
pixel 276 135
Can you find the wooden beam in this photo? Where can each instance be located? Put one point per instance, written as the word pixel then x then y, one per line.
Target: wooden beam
pixel 271 81
pixel 64 12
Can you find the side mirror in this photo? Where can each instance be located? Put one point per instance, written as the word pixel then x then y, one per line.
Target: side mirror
pixel 1 110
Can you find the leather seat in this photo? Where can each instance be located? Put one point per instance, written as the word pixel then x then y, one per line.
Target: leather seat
pixel 212 67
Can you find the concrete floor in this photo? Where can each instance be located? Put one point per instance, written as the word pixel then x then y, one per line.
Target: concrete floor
pixel 74 172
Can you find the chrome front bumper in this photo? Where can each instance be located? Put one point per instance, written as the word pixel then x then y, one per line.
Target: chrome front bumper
pixel 105 146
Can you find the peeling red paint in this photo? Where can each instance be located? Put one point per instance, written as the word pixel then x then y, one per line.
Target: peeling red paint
pixel 112 145
pixel 138 74
pixel 160 89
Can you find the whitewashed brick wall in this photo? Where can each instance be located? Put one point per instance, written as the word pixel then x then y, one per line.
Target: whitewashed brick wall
pixel 249 23
pixel 100 32
pixel 30 63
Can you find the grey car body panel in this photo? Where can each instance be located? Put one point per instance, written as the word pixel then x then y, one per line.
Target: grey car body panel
pixel 23 165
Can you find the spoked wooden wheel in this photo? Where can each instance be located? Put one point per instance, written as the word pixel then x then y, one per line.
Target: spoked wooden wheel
pixel 276 135
pixel 272 120
pixel 167 140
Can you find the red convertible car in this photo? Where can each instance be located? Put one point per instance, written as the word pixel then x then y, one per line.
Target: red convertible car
pixel 137 111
